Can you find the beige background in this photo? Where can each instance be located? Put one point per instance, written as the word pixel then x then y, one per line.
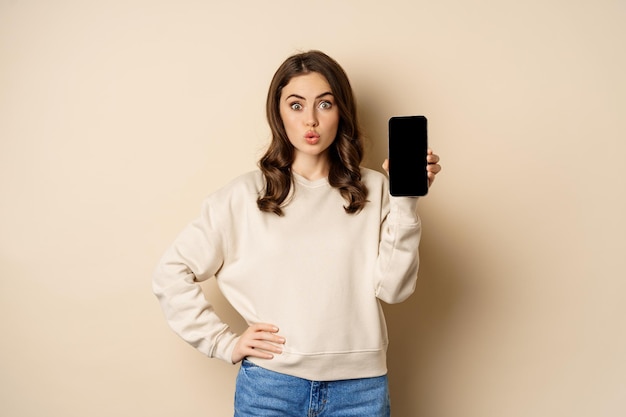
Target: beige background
pixel 118 117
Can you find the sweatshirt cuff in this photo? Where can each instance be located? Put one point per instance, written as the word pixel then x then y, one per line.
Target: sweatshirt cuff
pixel 403 210
pixel 225 346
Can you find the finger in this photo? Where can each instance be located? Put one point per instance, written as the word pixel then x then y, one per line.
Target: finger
pixel 267 337
pixel 432 158
pixel 266 346
pixel 264 327
pixel 431 179
pixel 257 353
pixel 261 351
pixel 262 333
pixel 245 348
pixel 258 348
pixel 266 331
pixel 386 165
pixel 433 168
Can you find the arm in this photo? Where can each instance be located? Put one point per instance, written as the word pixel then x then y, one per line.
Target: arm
pixel 398 256
pixel 196 255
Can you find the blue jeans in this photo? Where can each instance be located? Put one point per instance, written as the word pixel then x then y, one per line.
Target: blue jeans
pixel 263 393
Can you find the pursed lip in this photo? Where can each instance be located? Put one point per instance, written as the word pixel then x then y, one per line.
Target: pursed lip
pixel 312 137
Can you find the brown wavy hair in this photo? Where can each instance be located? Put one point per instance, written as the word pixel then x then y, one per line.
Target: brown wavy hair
pixel 345 153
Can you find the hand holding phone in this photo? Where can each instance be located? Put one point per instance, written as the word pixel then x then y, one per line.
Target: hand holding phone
pixel 408 148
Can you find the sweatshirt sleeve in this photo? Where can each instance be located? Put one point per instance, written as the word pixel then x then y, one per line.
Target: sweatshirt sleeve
pixel 398 255
pixel 196 255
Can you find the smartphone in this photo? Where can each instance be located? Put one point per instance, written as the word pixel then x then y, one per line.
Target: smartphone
pixel 408 147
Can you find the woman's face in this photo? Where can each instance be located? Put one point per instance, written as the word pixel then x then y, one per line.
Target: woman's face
pixel 309 115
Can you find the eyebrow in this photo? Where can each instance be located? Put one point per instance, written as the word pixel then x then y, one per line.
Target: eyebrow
pixel 328 93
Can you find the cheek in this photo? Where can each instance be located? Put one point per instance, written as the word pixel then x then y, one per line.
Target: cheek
pixel 289 127
pixel 287 120
pixel 332 121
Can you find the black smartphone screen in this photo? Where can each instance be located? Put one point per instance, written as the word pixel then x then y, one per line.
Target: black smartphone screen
pixel 408 146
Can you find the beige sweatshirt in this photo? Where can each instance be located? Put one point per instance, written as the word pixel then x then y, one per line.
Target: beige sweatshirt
pixel 317 273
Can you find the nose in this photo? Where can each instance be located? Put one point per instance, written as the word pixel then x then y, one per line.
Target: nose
pixel 311 118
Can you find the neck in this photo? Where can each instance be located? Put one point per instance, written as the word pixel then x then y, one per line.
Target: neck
pixel 311 168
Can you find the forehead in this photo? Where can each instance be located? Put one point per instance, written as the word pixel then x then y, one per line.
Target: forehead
pixel 312 84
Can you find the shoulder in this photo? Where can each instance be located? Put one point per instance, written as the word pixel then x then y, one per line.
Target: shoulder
pixel 250 182
pixel 373 179
pixel 240 191
pixel 377 185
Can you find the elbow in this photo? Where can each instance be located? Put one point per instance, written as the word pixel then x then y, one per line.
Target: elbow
pixel 397 294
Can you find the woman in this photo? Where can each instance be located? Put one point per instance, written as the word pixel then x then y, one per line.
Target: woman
pixel 303 249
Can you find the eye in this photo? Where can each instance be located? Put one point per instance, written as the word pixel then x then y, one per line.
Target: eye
pixel 296 106
pixel 325 105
